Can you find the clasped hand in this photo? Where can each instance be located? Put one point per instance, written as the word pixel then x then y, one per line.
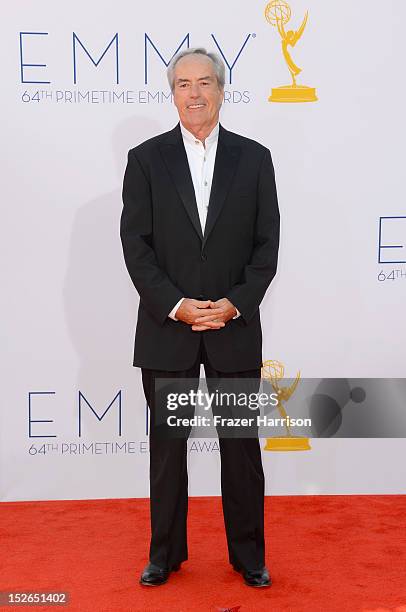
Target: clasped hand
pixel 202 315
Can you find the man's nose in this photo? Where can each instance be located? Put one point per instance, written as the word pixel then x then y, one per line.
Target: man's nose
pixel 195 91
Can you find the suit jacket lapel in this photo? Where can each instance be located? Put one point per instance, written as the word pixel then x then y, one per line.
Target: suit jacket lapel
pixel 175 158
pixel 227 157
pixel 174 155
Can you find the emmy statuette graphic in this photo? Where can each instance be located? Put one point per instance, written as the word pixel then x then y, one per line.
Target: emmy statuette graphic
pixel 278 13
pixel 273 371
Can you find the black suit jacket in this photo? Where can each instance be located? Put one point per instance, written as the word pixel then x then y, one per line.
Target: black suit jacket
pixel 167 256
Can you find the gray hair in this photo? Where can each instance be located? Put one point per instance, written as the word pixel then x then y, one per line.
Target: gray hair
pixel 218 65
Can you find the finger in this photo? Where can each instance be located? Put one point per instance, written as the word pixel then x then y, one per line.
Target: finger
pixel 212 324
pixel 209 314
pixel 201 303
pixel 203 327
pixel 208 319
pixel 201 311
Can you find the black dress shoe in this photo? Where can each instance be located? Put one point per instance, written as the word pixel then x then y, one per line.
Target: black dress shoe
pixel 255 578
pixel 153 575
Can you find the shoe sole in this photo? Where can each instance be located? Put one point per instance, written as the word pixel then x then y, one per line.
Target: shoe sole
pixel 151 584
pixel 255 586
pixel 258 586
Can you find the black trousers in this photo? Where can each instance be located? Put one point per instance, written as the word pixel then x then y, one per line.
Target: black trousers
pixel 242 481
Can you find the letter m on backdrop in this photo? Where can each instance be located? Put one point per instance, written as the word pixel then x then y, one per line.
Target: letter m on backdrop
pixel 148 42
pixel 95 62
pixel 83 400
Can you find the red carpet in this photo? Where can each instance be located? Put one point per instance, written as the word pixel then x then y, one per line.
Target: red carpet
pixel 324 553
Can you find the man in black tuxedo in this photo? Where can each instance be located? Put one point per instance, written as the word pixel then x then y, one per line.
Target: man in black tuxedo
pixel 200 236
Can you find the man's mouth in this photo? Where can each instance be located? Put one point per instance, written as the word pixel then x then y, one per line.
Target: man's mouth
pixel 196 105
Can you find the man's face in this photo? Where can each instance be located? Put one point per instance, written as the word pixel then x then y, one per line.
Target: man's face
pixel 196 94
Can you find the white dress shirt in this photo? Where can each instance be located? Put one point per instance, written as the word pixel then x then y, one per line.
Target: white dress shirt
pixel 201 158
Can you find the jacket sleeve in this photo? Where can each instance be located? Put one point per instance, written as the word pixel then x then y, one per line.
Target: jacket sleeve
pixel 157 292
pixel 259 272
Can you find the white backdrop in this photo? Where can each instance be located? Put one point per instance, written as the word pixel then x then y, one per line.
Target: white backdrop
pixel 69 308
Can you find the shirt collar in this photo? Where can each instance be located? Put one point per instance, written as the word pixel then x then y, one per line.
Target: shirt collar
pixel 210 139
